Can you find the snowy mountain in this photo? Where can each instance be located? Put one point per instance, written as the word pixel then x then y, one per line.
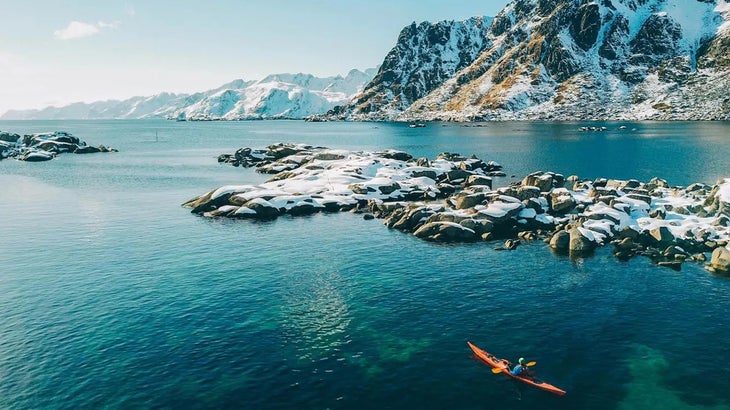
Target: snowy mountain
pixel 424 57
pixel 569 60
pixel 276 96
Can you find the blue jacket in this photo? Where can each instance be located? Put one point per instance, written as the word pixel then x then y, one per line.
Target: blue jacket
pixel 519 370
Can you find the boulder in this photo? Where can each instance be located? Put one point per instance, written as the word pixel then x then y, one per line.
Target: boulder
pixel 640 197
pixel 662 236
pixel 581 241
pixel 542 180
pixel 465 201
pixel 628 232
pixel 284 150
pixel 389 189
pixel 428 173
pixel 479 180
pixel 479 226
pixel 396 155
pixel 572 182
pixel 87 150
pixel 657 183
pixel 625 244
pixel 262 209
pixel 501 210
pixel 561 201
pixel 445 232
pixel 511 244
pixel 328 156
pixel 226 210
pixel 303 208
pixel 457 175
pixel 720 260
pixel 8 137
pixel 675 252
pixel 560 241
pixel 658 213
pixel 412 219
pixel 450 156
pixel 36 156
pixel 674 265
pixel 215 199
pixel 423 162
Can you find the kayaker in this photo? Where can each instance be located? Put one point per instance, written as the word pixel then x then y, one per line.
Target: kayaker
pixel 521 369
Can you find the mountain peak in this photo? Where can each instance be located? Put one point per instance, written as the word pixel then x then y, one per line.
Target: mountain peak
pixel 559 59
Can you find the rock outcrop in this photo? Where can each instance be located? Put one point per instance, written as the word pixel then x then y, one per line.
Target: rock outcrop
pixel 44 146
pixel 439 200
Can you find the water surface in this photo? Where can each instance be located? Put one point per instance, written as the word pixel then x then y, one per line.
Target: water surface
pixel 112 295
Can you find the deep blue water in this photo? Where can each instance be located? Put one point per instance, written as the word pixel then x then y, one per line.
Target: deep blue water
pixel 113 296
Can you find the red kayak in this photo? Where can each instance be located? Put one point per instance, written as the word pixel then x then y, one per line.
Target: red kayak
pixel 504 365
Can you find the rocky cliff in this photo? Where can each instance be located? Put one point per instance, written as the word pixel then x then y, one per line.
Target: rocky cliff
pixel 425 55
pixel 574 60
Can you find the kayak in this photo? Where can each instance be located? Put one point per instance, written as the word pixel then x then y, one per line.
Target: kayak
pixel 504 365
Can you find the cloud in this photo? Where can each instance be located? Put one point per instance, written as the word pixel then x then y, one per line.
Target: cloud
pixel 104 24
pixel 131 12
pixel 77 29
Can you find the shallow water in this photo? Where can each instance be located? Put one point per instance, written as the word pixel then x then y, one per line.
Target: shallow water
pixel 112 295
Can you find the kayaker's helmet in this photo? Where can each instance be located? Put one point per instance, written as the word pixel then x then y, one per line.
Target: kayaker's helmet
pixel 522 360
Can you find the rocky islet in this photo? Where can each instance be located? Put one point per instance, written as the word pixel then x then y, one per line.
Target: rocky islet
pixel 452 199
pixel 44 146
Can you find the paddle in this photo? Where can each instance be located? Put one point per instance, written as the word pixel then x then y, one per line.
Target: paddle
pixel 496 370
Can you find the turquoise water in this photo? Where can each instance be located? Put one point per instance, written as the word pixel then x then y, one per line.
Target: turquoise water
pixel 113 296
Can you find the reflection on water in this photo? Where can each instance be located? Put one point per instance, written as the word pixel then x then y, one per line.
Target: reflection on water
pixel 315 315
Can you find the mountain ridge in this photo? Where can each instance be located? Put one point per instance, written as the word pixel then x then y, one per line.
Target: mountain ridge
pixel 285 95
pixel 581 60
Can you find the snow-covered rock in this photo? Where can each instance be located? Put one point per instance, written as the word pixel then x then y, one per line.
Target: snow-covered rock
pixel 674 225
pixel 44 146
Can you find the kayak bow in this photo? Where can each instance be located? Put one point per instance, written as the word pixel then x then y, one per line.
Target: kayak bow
pixel 504 365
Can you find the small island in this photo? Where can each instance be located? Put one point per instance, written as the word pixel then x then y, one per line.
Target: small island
pixel 44 146
pixel 451 199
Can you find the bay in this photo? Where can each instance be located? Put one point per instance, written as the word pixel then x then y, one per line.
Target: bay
pixel 112 295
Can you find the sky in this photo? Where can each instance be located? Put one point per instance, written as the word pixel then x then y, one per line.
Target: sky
pixel 57 52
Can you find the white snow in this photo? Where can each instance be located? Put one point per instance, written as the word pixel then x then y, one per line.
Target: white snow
pixel 724 191
pixel 229 189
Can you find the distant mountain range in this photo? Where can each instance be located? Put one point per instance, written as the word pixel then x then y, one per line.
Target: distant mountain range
pixel 559 60
pixel 292 96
